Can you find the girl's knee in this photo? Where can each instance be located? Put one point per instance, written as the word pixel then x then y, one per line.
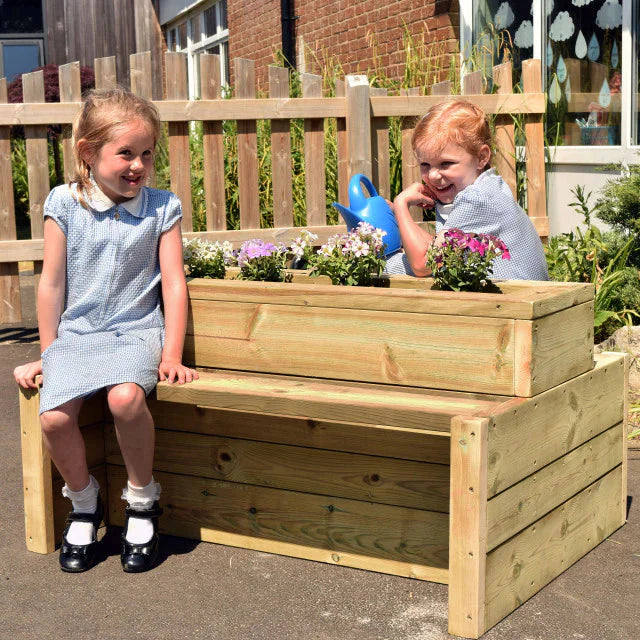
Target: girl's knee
pixel 126 399
pixel 56 422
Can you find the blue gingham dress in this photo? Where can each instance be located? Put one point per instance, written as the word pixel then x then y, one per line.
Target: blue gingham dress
pixel 112 328
pixel 487 206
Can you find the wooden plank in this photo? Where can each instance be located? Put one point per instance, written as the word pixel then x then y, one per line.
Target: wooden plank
pixel 410 167
pixel 468 526
pixel 36 477
pixel 523 565
pixel 473 84
pixel 337 530
pixel 141 76
pixel 563 344
pixel 528 434
pixel 519 506
pixel 249 198
pixel 443 88
pixel 314 178
pixel 342 143
pixel 281 161
pixel 534 145
pixel 10 306
pixel 179 155
pixel 380 155
pixel 322 399
pixel 70 91
pixel 505 158
pixel 358 124
pixel 625 431
pixel 406 443
pixel 105 72
pixel 213 147
pixel 331 473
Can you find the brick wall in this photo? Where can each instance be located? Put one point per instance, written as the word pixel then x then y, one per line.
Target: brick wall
pixel 351 32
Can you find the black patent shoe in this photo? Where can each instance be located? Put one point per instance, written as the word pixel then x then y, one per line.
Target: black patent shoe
pixel 137 558
pixel 76 558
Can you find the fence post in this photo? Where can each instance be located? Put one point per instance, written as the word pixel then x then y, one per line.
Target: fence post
pixel 380 156
pixel 359 125
pixel 505 130
pixel 314 156
pixel 70 91
pixel 410 168
pixel 342 145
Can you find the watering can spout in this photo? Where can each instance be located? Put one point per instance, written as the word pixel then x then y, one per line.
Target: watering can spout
pixel 373 209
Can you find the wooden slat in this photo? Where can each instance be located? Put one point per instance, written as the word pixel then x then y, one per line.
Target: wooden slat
pixel 534 145
pixel 528 434
pixel 405 443
pixel 347 532
pixel 314 178
pixel 70 91
pixel 342 143
pixel 410 167
pixel 213 147
pixel 249 198
pixel 473 84
pixel 332 473
pixel 524 564
pixel 105 72
pixel 322 399
pixel 36 477
pixel 179 155
pixel 467 527
pixel 443 88
pixel 358 124
pixel 281 162
pixel 521 505
pixel 505 159
pixel 563 345
pixel 141 77
pixel 10 309
pixel 380 156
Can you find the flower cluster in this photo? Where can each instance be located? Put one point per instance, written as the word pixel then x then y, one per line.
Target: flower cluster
pixel 264 261
pixel 352 258
pixel 302 248
pixel 464 261
pixel 205 259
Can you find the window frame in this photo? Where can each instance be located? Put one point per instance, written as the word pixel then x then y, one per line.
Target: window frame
pixel 625 152
pixel 7 39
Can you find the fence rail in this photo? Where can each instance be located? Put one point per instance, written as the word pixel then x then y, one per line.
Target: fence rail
pixel 362 140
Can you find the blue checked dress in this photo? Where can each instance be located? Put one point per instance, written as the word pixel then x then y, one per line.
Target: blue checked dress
pixel 112 328
pixel 487 206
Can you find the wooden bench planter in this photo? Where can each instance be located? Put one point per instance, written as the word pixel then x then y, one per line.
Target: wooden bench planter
pixel 458 438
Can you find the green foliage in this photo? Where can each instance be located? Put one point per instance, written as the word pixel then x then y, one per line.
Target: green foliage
pixel 619 205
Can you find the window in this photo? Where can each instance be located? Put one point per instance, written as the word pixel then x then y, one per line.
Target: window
pixel 19 56
pixel 203 29
pixel 21 37
pixel 590 56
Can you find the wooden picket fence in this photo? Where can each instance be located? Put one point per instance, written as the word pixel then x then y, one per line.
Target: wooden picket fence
pixel 362 115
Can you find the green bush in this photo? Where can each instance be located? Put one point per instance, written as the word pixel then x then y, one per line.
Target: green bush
pixel 619 205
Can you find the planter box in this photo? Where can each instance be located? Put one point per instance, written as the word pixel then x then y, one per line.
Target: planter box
pixel 531 337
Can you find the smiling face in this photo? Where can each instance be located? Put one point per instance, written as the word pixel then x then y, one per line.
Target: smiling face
pixel 122 165
pixel 449 170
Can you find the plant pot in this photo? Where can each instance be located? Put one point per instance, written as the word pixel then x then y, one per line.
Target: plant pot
pixel 525 340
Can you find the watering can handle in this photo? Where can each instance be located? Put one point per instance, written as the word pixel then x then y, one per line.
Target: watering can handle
pixel 357 200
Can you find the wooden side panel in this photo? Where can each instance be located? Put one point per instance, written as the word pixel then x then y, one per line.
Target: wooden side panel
pixel 519 506
pixel 467 526
pixel 528 434
pixel 372 346
pixel 348 532
pixel 553 349
pixel 520 567
pixel 331 473
pixel 372 439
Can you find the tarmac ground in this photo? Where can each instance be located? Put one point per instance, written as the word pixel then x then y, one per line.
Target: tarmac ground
pixel 206 591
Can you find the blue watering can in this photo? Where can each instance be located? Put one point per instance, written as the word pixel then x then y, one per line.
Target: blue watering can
pixel 373 210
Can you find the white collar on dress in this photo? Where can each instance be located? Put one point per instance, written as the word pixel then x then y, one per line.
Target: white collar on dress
pixel 98 201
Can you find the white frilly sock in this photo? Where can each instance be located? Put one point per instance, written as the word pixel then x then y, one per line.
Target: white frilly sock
pixel 140 530
pixel 84 501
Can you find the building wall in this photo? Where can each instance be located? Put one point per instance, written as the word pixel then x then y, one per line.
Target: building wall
pixel 353 33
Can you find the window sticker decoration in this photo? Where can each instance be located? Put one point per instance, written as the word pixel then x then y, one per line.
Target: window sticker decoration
pixel 593 52
pixel 561 69
pixel 581 46
pixel 562 27
pixel 580 3
pixel 615 58
pixel 555 93
pixel 567 90
pixel 504 16
pixel 549 54
pixel 549 4
pixel 609 15
pixel 524 35
pixel 604 97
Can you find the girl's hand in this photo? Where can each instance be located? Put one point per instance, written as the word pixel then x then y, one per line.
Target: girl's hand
pixel 417 194
pixel 25 374
pixel 171 371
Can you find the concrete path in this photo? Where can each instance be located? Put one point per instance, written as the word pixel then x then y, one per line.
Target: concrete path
pixel 207 591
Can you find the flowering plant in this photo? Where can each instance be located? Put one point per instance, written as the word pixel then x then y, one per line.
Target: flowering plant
pixel 352 258
pixel 205 259
pixel 464 261
pixel 302 249
pixel 264 261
